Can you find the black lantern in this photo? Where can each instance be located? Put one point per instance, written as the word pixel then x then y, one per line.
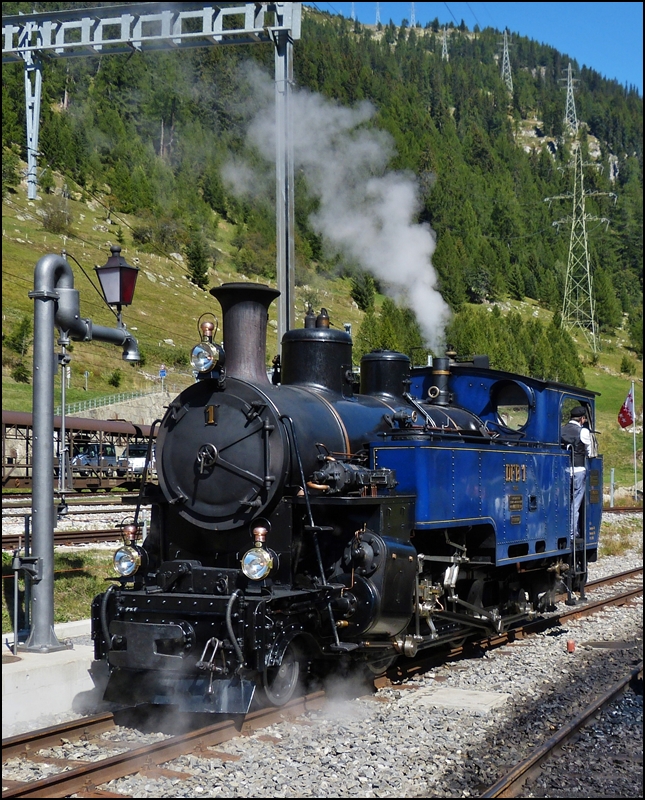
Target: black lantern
pixel 118 279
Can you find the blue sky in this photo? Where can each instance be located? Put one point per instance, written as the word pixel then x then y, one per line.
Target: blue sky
pixel 605 36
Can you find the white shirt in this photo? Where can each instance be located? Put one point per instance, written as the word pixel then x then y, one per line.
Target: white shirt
pixel 585 438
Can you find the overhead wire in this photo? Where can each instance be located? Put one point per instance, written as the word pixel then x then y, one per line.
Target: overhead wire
pixel 474 15
pixel 451 14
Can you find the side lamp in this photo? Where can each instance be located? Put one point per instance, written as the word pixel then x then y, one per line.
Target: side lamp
pixel 118 280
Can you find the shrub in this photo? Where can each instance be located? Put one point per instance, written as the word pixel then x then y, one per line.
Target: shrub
pixel 142 234
pixel 115 378
pixel 46 181
pixel 628 365
pixel 56 215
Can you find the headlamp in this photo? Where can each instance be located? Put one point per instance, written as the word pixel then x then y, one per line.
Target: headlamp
pixel 204 357
pixel 127 560
pixel 257 563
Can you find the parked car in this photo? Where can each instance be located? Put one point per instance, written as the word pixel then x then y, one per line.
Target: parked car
pixel 96 456
pixel 136 457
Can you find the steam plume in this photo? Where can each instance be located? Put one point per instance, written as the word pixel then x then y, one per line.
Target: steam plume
pixel 365 213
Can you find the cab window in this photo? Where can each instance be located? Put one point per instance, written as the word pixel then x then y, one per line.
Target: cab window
pixel 512 405
pixel 567 404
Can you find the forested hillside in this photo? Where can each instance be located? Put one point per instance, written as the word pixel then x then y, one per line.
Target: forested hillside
pixel 165 137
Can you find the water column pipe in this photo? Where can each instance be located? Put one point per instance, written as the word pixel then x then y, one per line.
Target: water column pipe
pixel 56 304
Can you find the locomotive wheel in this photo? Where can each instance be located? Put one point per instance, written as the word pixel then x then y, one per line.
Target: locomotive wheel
pixel 380 666
pixel 280 683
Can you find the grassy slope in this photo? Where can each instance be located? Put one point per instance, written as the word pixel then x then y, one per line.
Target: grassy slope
pixel 167 306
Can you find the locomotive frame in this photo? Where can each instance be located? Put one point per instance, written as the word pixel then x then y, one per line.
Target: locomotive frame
pixel 316 524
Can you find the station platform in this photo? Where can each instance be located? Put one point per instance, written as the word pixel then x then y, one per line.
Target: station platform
pixel 41 689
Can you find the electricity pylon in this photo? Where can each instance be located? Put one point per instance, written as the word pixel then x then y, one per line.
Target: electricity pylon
pixel 413 21
pixel 578 306
pixel 570 117
pixel 506 66
pixel 378 13
pixel 353 14
pixel 444 48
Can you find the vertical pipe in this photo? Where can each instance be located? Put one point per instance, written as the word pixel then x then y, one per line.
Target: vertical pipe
pixel 634 433
pixel 27 597
pixel 285 219
pixel 611 489
pixel 16 575
pixel 62 444
pixel 42 637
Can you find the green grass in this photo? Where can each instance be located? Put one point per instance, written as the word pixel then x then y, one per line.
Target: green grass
pixel 617 536
pixel 615 443
pixel 78 577
pixel 166 305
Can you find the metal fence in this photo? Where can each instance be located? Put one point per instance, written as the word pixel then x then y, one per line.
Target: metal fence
pixel 97 402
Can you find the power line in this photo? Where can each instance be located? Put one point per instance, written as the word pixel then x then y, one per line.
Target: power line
pixel 473 13
pixel 451 14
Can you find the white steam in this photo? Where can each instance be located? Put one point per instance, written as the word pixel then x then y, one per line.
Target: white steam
pixel 364 213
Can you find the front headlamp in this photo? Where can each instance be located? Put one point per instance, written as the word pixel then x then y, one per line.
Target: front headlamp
pixel 257 563
pixel 204 357
pixel 127 560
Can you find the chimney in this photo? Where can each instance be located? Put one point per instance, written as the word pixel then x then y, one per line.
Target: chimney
pixel 245 310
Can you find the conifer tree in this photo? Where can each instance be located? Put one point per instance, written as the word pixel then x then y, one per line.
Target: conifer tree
pixel 197 257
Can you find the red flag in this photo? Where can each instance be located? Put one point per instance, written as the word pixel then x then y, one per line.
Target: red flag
pixel 626 413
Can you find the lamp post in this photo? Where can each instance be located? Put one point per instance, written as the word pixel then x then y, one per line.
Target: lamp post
pixel 118 280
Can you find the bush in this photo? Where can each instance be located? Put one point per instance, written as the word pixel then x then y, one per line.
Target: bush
pixel 142 234
pixel 115 378
pixel 56 215
pixel 46 181
pixel 628 365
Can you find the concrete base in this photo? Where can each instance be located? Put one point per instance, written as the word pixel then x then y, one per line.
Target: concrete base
pixel 38 687
pixel 479 703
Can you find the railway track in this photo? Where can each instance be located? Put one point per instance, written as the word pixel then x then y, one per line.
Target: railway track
pixel 80 775
pixel 103 509
pixel 512 783
pixel 10 501
pixel 144 759
pixel 11 541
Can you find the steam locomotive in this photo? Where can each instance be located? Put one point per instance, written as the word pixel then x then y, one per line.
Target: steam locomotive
pixel 317 522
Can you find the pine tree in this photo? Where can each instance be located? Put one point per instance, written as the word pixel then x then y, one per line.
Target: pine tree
pixel 197 257
pixel 20 337
pixel 362 291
